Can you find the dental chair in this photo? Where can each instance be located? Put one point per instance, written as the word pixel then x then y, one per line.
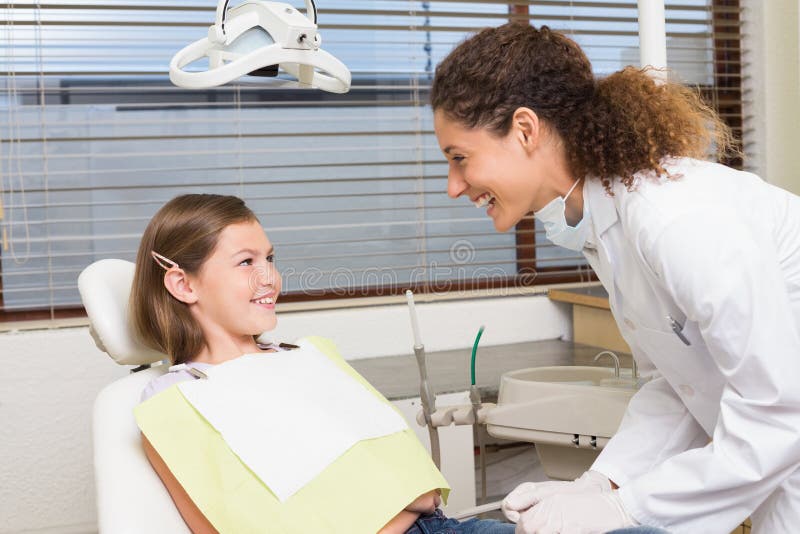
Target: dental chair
pixel 130 497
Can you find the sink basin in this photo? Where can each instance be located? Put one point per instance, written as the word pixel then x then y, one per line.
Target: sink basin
pixel 567 375
pixel 569 412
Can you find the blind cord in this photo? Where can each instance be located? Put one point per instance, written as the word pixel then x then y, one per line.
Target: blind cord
pixel 15 174
pixel 45 162
pixel 419 169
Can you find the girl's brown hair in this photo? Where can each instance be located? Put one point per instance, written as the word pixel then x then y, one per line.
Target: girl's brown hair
pixel 185 230
pixel 612 127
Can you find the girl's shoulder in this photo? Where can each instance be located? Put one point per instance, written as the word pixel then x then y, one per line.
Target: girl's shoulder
pixel 176 374
pixel 193 370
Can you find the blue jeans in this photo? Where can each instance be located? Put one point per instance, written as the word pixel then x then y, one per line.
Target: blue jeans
pixel 438 523
pixel 639 530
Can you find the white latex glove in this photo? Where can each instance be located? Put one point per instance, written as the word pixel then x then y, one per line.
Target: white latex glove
pixel 528 494
pixel 576 513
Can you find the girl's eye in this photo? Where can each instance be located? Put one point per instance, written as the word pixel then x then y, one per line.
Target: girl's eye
pixel 271 258
pixel 248 261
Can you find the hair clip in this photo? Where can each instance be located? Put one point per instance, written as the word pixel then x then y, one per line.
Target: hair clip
pixel 163 261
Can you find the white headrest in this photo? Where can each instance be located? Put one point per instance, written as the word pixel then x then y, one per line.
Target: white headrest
pixel 105 287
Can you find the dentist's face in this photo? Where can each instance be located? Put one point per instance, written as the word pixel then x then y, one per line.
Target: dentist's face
pixel 492 171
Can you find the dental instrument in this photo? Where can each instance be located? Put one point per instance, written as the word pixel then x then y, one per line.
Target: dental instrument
pixel 425 390
pixel 475 399
pixel 258 38
pixel 678 329
pixel 475 414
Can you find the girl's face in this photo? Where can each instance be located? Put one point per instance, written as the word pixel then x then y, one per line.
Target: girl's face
pixel 485 167
pixel 237 286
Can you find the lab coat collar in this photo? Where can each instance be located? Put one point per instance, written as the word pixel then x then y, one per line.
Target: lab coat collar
pixel 602 206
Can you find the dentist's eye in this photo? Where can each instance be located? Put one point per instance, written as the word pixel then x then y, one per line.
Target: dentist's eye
pixel 271 258
pixel 457 159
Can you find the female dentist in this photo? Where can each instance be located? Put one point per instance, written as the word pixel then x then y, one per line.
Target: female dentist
pixel 701 263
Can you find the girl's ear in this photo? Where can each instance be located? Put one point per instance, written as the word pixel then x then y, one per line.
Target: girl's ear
pixel 179 286
pixel 526 127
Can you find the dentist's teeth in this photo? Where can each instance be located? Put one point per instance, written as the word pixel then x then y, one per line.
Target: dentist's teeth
pixel 483 200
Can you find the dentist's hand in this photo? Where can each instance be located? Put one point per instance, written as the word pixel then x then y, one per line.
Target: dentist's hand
pixel 576 513
pixel 528 494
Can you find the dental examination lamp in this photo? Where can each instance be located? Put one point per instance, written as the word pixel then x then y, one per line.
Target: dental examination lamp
pixel 258 38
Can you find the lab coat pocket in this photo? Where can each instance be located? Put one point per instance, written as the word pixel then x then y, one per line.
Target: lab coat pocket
pixel 686 364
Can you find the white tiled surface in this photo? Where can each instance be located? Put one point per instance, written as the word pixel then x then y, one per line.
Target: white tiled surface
pixel 506 469
pixel 508 464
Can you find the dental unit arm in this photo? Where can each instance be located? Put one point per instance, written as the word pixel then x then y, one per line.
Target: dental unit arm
pixel 258 38
pixel 473 414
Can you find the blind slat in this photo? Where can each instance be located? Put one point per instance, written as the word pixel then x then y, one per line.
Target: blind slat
pixel 98 138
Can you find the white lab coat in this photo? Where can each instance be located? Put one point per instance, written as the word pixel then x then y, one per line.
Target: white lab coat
pixel 717 251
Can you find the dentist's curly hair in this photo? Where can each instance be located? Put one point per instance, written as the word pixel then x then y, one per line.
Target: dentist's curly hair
pixel 185 230
pixel 611 128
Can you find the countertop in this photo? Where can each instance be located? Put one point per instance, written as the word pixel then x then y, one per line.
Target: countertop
pixel 397 377
pixel 594 296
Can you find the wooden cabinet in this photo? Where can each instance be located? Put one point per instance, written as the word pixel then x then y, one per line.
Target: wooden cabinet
pixel 592 322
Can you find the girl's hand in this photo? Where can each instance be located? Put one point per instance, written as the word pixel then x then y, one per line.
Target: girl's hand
pixel 426 503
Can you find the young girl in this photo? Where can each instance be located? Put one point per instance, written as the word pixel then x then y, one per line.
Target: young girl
pixel 205 288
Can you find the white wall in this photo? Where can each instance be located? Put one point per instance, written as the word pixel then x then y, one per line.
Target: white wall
pixel 386 330
pixel 772 87
pixel 48 382
pixel 50 378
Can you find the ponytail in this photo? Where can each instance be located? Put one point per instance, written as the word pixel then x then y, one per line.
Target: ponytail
pixel 633 122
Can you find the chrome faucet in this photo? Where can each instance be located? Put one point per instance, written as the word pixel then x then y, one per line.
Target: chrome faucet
pixel 613 357
pixel 634 367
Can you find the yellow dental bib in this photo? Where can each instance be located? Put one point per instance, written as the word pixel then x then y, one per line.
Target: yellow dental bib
pixel 358 493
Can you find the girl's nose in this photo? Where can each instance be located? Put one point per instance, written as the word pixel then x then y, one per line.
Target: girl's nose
pixel 262 277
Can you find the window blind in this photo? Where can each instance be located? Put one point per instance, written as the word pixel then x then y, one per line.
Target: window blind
pixel 350 188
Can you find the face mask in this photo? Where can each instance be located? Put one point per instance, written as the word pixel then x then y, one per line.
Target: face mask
pixel 554 219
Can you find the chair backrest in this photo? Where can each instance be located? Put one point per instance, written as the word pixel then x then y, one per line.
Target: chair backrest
pixel 130 497
pixel 105 287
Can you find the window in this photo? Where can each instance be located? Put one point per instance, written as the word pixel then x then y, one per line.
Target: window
pixel 351 188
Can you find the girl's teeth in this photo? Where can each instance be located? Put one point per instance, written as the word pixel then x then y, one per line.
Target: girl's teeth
pixel 265 300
